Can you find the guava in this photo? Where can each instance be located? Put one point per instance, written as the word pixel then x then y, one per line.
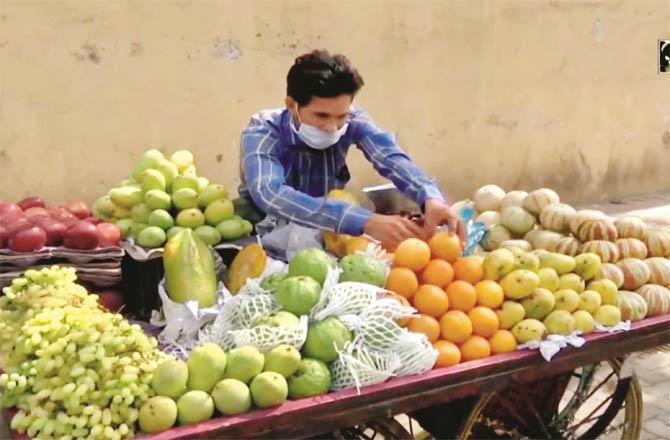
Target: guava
pixel 151 237
pixel 182 159
pixel 271 282
pixel 157 414
pixel 170 378
pixel 312 262
pixel 174 231
pixel 140 213
pixel 195 406
pixel 311 379
pixel 208 234
pixel 184 181
pixel 206 366
pixel 363 269
pixel 190 218
pixel 161 218
pixel 210 194
pixel 283 359
pixel 152 179
pixel 325 337
pixel 244 363
pixel 277 319
pixel 298 294
pixel 185 198
pixel 157 199
pixel 232 228
pixel 218 211
pixel 231 396
pixel 268 389
pixel 149 159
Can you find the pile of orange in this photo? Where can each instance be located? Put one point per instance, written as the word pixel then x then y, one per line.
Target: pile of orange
pixel 455 304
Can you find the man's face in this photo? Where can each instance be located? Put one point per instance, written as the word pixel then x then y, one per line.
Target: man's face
pixel 328 114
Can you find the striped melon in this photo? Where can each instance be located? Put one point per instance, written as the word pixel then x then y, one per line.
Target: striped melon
pixel 632 248
pixel 658 242
pixel 660 270
pixel 630 227
pixel 635 273
pixel 495 236
pixel 606 250
pixel 633 307
pixel 517 220
pixel 556 217
pixel 582 216
pixel 567 246
pixel 657 298
pixel 513 198
pixel 519 244
pixel 539 199
pixel 609 271
pixel 601 229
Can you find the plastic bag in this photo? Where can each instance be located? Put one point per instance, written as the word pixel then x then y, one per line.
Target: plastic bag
pixel 550 346
pixel 476 230
pixel 283 240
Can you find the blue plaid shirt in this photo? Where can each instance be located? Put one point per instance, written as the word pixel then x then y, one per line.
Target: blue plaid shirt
pixel 288 179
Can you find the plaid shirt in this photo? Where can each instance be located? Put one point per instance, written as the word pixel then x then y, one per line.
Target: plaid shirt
pixel 288 179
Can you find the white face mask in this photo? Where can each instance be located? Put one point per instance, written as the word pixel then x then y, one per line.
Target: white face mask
pixel 315 137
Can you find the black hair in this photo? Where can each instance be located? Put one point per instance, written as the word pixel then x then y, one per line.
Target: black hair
pixel 321 74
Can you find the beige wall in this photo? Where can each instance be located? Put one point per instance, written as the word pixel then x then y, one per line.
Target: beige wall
pixel 518 92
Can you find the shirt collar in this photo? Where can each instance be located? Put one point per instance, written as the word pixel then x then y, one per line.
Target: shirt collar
pixel 286 134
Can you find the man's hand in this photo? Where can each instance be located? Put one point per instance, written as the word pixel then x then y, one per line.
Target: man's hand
pixel 438 213
pixel 391 230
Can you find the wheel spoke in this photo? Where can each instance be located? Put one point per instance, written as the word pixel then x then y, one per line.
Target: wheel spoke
pixel 589 417
pixel 613 373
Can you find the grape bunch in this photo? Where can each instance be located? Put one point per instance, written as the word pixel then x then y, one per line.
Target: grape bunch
pixel 78 371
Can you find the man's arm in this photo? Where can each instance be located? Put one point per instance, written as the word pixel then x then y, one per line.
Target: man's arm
pixel 266 184
pixel 382 150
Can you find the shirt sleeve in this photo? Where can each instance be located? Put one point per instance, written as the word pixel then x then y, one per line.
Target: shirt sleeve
pixel 382 150
pixel 267 187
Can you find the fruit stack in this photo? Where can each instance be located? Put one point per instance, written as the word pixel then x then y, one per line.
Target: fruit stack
pixel 37 235
pixel 636 256
pixel 230 383
pixel 472 307
pixel 71 369
pixel 163 196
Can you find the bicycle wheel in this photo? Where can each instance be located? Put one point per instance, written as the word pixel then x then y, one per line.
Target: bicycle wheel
pixel 595 401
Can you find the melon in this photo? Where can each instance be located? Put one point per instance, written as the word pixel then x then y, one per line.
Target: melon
pixel 519 244
pixel 630 227
pixel 513 198
pixel 632 248
pixel 517 220
pixel 633 307
pixel 489 218
pixel 612 272
pixel 660 270
pixel 657 298
pixel 606 250
pixel 556 217
pixel 601 229
pixel 495 236
pixel 584 215
pixel 635 273
pixel 488 198
pixel 658 243
pixel 539 199
pixel 567 246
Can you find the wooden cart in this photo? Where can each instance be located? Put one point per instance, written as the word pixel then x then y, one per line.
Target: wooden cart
pixel 519 395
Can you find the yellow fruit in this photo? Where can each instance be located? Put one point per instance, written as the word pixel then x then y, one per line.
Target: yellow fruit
pixel 413 254
pixel 489 294
pixel 449 354
pixel 502 342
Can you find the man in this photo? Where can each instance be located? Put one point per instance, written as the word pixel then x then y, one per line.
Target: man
pixel 292 157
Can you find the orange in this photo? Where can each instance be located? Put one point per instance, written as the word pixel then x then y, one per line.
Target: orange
pixel 475 347
pixel 445 246
pixel 438 273
pixel 455 326
pixel 502 342
pixel 402 322
pixel 462 295
pixel 489 294
pixel 431 300
pixel 425 324
pixel 357 244
pixel 469 269
pixel 449 354
pixel 402 281
pixel 485 321
pixel 413 254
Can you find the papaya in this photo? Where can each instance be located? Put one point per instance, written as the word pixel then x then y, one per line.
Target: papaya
pixel 334 242
pixel 248 263
pixel 190 272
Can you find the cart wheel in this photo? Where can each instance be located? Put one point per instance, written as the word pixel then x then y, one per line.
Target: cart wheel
pixel 595 401
pixel 376 429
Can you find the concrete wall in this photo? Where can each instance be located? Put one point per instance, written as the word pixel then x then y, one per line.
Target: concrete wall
pixel 517 92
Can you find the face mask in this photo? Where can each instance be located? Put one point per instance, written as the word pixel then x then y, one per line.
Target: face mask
pixel 317 138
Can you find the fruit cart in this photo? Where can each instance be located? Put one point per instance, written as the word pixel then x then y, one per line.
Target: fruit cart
pixel 518 395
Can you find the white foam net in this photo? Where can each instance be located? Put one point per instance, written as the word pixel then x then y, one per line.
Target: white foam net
pixel 265 338
pixel 357 366
pixel 417 354
pixel 346 298
pixel 331 280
